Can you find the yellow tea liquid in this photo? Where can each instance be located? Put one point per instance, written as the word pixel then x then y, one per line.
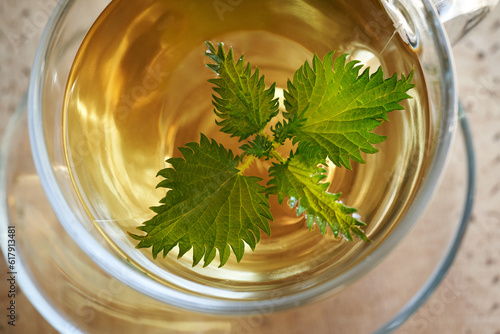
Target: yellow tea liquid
pixel 138 90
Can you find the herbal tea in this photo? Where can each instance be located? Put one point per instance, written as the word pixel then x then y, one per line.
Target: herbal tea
pixel 139 90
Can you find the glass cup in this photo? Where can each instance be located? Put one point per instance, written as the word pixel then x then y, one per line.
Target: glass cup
pixel 163 299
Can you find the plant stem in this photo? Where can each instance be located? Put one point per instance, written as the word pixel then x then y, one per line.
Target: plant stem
pixel 247 161
pixel 275 153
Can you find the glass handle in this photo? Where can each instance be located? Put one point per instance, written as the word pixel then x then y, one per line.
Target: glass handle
pixel 460 16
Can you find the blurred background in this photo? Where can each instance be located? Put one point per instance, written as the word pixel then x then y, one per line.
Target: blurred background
pixel 468 299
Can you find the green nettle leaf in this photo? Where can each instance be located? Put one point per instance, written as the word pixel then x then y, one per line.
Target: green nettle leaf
pixel 299 182
pixel 341 108
pixel 243 104
pixel 260 147
pixel 209 206
pixel 287 129
pixel 331 111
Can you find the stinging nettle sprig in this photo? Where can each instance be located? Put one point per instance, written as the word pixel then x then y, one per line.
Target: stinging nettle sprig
pixel 330 112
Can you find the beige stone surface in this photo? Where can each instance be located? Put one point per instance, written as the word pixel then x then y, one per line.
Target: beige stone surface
pixel 474 308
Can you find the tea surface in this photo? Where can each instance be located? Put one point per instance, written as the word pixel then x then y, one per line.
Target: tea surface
pixel 138 90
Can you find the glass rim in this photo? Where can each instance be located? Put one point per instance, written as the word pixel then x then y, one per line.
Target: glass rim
pixel 122 271
pixel 437 276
